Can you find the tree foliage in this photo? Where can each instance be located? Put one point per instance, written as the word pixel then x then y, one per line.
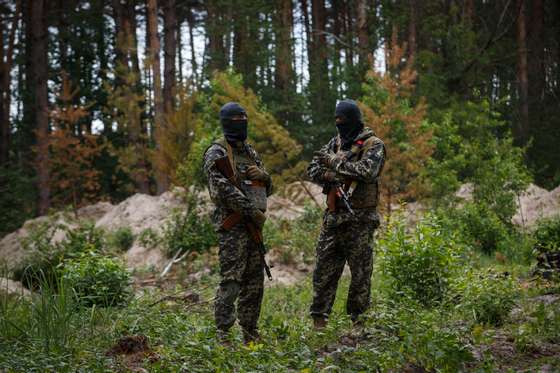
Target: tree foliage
pixel 400 121
pixel 74 180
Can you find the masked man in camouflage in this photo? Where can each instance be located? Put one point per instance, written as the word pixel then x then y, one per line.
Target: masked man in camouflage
pixel 348 167
pixel 241 266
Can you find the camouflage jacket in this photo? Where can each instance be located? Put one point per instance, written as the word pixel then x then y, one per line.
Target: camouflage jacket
pixel 364 166
pixel 226 197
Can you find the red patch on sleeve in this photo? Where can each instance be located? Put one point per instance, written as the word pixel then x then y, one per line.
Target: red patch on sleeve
pixel 360 142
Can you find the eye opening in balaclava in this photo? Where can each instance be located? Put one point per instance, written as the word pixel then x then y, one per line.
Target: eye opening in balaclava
pixel 233 118
pixel 350 124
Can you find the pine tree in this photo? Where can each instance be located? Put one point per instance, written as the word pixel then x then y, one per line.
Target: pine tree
pixel 73 178
pixel 389 109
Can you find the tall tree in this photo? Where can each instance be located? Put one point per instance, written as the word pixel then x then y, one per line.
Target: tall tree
pixel 412 28
pixel 127 87
pixel 284 76
pixel 152 36
pixel 217 57
pixel 39 64
pixel 6 60
pixel 536 62
pixel 194 65
pixel 321 99
pixel 170 52
pixel 521 130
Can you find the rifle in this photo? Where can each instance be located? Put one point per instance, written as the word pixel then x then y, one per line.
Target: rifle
pixel 344 197
pixel 226 169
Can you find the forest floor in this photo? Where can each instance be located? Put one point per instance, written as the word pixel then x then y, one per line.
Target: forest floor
pixel 481 326
pixel 168 327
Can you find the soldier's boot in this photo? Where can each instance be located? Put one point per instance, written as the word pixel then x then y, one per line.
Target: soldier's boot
pixel 319 323
pixel 222 335
pixel 357 321
pixel 251 335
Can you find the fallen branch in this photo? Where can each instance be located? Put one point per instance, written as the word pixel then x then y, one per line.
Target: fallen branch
pixel 174 260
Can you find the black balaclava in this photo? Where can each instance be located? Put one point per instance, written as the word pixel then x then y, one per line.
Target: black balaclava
pixel 234 130
pixel 351 124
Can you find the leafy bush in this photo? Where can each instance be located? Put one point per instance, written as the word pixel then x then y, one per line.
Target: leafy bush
pixel 295 238
pixel 149 238
pixel 97 280
pixel 18 197
pixel 547 235
pixel 478 225
pixel 473 144
pixel 85 237
pixel 121 239
pixel 187 231
pixel 419 264
pixel 485 297
pixel 44 256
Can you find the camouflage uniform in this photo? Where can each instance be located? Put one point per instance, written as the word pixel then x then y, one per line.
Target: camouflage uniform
pixel 241 268
pixel 346 238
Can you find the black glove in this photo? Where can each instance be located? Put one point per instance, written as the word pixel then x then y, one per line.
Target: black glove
pixel 325 159
pixel 329 176
pixel 255 173
pixel 258 218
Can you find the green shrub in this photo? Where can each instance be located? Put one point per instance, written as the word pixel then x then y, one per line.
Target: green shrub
pixel 121 239
pixel 84 238
pixel 547 235
pixel 485 297
pixel 418 264
pixel 45 257
pixel 479 226
pixel 18 196
pixel 42 256
pixel 149 238
pixel 473 144
pixel 295 238
pixel 97 280
pixel 187 231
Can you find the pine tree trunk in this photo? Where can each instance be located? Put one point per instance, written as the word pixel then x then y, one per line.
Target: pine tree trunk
pixel 468 12
pixel 180 62
pixel 162 182
pixel 194 65
pixel 321 104
pixel 241 55
pixel 5 91
pixel 216 48
pixel 362 30
pixel 412 45
pixel 536 64
pixel 521 130
pixel 28 95
pixel 284 77
pixel 170 52
pixel 39 61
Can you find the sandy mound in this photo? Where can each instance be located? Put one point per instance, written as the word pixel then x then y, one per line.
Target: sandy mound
pixel 141 211
pixel 536 203
pixel 11 251
pixel 291 204
pixel 533 204
pixel 13 287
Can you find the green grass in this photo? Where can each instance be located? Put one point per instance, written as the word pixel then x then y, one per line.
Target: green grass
pixel 51 333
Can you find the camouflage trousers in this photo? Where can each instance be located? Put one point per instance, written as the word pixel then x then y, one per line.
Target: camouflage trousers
pixel 241 280
pixel 344 239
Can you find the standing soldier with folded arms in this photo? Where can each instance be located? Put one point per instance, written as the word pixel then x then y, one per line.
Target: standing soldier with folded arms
pixel 240 200
pixel 348 169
